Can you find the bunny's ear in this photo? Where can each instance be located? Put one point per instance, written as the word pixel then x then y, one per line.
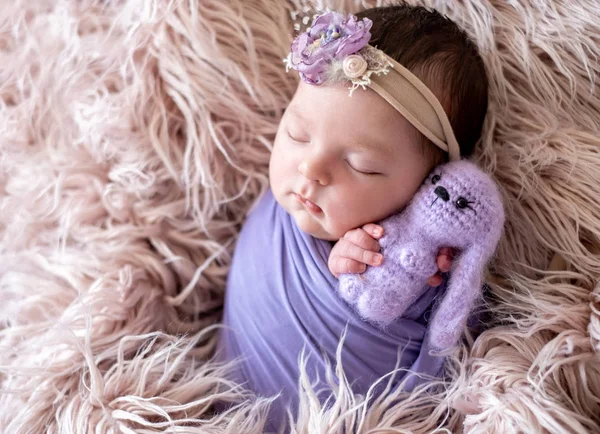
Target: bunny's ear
pixel 464 288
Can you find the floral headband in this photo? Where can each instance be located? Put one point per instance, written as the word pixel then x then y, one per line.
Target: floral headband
pixel 336 49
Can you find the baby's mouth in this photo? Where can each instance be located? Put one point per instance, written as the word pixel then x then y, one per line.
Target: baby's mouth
pixel 310 206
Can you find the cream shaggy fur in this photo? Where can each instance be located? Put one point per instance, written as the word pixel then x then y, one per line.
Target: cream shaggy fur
pixel 134 138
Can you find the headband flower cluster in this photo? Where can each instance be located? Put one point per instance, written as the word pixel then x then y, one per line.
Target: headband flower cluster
pixel 334 49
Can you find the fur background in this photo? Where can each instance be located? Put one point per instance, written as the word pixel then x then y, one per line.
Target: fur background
pixel 134 138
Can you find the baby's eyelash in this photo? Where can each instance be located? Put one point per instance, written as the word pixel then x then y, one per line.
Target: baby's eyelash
pixel 361 172
pixel 369 173
pixel 295 139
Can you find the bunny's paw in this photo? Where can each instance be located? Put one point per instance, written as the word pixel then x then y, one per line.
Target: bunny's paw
pixel 350 287
pixel 417 262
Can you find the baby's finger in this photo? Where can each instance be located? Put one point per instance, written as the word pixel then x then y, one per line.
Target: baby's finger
pixel 340 265
pixel 349 250
pixel 445 251
pixel 448 251
pixel 435 280
pixel 374 230
pixel 444 263
pixel 362 239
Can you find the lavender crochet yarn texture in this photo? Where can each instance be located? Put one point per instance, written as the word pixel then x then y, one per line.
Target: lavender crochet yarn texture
pixel 458 206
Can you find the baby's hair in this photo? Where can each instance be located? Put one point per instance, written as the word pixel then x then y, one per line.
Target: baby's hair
pixel 443 56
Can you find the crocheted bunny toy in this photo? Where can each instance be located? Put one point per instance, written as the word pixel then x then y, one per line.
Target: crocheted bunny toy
pixel 458 206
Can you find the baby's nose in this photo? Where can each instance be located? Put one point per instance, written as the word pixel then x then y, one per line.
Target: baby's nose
pixel 442 193
pixel 313 171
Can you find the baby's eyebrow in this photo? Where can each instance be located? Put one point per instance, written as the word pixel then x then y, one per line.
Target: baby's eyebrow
pixel 295 111
pixel 375 144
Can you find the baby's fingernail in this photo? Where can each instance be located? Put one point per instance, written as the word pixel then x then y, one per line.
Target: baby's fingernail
pixel 377 232
pixel 377 258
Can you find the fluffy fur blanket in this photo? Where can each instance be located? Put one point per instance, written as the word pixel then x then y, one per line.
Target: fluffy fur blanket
pixel 134 137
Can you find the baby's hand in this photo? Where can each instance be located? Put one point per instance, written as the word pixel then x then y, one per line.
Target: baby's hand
pixel 357 249
pixel 444 263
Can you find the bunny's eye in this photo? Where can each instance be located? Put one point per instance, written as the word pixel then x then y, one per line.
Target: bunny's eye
pixel 462 203
pixel 435 179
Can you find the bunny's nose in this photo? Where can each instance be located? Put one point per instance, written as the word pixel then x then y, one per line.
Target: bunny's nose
pixel 442 193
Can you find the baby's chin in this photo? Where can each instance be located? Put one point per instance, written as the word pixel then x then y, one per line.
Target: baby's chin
pixel 313 227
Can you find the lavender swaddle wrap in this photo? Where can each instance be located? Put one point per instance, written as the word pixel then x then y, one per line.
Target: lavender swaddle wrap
pixel 281 298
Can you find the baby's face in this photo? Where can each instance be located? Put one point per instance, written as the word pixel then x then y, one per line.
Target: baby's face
pixel 340 162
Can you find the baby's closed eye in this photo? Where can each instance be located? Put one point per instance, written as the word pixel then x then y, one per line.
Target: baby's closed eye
pixel 298 137
pixel 363 168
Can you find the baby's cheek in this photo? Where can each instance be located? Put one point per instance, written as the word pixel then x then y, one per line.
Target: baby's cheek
pixel 340 222
pixel 279 169
pixel 337 232
pixel 354 206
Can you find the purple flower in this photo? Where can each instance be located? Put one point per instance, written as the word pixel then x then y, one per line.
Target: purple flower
pixel 331 37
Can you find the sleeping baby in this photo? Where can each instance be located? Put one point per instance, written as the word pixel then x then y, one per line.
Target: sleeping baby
pixel 384 98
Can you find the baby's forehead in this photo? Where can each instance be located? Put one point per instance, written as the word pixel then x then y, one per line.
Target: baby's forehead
pixel 338 96
pixel 364 117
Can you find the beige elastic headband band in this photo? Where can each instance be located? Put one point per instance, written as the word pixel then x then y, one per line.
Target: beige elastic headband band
pixel 407 94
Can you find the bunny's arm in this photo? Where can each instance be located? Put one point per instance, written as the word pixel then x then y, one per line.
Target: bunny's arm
pixel 417 261
pixel 399 282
